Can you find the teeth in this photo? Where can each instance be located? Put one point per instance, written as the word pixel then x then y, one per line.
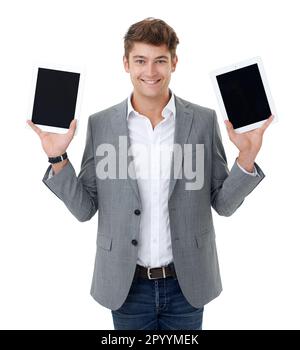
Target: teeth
pixel 150 81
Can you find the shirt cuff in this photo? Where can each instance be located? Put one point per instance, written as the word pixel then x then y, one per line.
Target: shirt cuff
pixel 254 173
pixel 50 174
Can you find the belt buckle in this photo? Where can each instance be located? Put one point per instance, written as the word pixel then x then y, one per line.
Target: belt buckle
pixel 155 278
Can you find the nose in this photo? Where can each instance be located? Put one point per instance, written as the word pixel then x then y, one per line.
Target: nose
pixel 150 70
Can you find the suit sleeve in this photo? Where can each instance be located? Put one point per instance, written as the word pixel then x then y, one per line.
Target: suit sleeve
pixel 228 188
pixel 79 194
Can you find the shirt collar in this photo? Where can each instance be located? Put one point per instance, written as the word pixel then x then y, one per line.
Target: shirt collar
pixel 168 110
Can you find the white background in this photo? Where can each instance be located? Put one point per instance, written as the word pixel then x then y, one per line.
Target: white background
pixel 47 256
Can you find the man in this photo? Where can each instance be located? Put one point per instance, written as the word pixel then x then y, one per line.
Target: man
pixel 156 264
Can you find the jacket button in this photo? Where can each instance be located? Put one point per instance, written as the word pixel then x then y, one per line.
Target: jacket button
pixel 137 212
pixel 134 242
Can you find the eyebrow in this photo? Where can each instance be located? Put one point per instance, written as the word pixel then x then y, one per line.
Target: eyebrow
pixel 156 58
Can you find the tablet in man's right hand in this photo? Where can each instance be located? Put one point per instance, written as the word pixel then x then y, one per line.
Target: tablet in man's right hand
pixel 55 96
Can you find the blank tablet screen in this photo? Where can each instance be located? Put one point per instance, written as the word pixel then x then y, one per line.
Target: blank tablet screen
pixel 244 96
pixel 55 97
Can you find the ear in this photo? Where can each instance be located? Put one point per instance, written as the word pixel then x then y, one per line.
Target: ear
pixel 126 64
pixel 174 63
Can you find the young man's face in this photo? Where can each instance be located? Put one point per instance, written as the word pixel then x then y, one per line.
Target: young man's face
pixel 150 69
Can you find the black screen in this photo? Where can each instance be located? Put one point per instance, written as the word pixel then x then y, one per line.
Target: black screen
pixel 55 97
pixel 244 96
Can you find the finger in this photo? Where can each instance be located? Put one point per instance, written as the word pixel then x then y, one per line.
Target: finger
pixel 267 123
pixel 34 127
pixel 72 127
pixel 229 127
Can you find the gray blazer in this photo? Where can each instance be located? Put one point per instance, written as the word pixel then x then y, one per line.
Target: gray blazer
pixel 191 223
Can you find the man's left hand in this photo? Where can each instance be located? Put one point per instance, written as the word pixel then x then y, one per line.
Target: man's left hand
pixel 248 143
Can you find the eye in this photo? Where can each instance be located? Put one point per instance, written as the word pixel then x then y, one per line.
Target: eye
pixel 140 61
pixel 161 61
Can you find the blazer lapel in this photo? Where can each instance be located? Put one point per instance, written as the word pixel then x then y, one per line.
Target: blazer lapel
pixel 183 122
pixel 120 128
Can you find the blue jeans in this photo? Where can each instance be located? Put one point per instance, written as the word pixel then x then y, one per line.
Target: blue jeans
pixel 157 305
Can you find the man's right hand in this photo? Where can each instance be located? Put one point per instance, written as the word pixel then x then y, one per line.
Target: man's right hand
pixel 54 144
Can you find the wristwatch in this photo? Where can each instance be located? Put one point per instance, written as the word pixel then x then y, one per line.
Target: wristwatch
pixel 58 159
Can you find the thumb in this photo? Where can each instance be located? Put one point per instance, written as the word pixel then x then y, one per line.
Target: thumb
pixel 229 126
pixel 72 127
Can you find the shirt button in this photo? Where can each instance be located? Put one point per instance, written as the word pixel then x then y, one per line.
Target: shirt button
pixel 134 242
pixel 137 212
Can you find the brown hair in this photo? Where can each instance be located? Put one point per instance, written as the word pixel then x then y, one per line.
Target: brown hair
pixel 151 31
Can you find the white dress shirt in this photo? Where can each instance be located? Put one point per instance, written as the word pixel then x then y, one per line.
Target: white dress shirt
pixel 152 151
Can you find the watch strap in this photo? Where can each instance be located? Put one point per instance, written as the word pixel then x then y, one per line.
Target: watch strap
pixel 58 159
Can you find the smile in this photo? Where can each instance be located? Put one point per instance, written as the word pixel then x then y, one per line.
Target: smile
pixel 150 82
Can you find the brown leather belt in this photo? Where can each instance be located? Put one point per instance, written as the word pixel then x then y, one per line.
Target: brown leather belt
pixel 155 273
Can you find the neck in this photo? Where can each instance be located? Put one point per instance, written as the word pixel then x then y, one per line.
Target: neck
pixel 149 106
